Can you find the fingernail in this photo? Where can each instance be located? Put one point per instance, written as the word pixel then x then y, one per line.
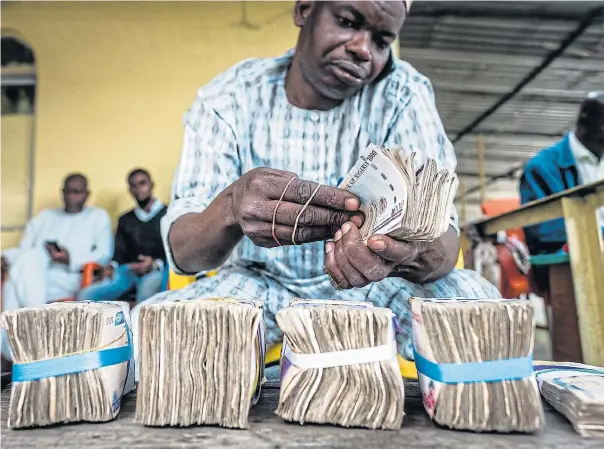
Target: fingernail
pixel 338 236
pixel 357 220
pixel 328 247
pixel 352 204
pixel 377 244
pixel 345 228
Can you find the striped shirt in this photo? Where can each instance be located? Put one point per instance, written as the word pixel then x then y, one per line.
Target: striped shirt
pixel 243 120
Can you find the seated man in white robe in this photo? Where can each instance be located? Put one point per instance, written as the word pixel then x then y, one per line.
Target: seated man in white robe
pixel 57 243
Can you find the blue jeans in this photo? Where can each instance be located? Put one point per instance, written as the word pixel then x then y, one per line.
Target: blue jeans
pixel 124 279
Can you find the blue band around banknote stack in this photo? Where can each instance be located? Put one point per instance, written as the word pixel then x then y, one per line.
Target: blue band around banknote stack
pixel 72 364
pixel 488 371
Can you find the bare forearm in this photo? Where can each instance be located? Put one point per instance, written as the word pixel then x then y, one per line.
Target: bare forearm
pixel 434 259
pixel 270 207
pixel 203 241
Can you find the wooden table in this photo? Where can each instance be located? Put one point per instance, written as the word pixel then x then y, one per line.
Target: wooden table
pixel 269 431
pixel 577 206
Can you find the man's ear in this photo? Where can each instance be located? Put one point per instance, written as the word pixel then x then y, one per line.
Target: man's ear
pixel 302 12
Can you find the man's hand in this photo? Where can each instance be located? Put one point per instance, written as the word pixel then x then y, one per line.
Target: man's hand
pixel 144 266
pixel 256 194
pixel 204 240
pixel 61 256
pixel 351 263
pixel 107 272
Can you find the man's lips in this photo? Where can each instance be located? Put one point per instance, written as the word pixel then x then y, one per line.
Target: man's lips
pixel 349 72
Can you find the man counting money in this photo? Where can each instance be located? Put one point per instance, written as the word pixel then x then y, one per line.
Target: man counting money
pixel 264 146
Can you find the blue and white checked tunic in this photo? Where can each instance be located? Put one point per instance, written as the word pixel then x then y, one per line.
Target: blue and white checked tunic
pixel 243 120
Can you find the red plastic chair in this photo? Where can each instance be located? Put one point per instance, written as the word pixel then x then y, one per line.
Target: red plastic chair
pixel 88 275
pixel 513 281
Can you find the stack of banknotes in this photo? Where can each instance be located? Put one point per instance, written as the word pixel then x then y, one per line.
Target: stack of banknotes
pixel 400 198
pixel 72 362
pixel 201 362
pixel 576 391
pixel 339 365
pixel 474 360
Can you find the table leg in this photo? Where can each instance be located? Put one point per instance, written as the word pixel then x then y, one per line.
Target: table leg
pixel 584 241
pixel 564 324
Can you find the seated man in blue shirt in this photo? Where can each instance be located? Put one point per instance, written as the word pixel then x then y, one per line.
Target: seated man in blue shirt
pixel 575 160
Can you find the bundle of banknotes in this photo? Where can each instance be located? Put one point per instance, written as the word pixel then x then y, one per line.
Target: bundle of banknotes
pixel 576 391
pixel 400 198
pixel 474 360
pixel 72 362
pixel 339 365
pixel 201 362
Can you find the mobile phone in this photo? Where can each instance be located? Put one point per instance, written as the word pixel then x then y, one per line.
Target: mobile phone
pixel 54 245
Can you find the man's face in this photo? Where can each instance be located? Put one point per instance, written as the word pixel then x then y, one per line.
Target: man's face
pixel 75 194
pixel 141 189
pixel 590 125
pixel 344 46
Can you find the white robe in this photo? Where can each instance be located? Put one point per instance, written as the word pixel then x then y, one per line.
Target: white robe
pixel 87 236
pixel 34 279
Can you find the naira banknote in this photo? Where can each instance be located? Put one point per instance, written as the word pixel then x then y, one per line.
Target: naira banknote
pixel 399 197
pixel 201 362
pixel 448 334
pixel 339 365
pixel 73 335
pixel 577 392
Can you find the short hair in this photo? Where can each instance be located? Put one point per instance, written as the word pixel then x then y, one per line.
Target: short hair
pixel 74 177
pixel 138 171
pixel 591 113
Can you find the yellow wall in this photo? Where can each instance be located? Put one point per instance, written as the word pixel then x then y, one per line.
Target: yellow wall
pixel 16 151
pixel 16 147
pixel 114 80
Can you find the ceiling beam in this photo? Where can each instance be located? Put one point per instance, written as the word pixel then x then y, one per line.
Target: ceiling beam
pixel 473 174
pixel 512 138
pixel 513 173
pixel 503 135
pixel 554 95
pixel 434 56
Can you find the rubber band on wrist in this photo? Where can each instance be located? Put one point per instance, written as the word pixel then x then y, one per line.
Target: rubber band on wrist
pixel 302 211
pixel 333 282
pixel 277 207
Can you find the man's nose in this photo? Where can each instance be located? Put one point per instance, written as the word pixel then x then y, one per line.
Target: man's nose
pixel 360 45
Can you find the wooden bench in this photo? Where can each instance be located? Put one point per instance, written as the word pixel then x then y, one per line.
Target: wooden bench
pixel 577 206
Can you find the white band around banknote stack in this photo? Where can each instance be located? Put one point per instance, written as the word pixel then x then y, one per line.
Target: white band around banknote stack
pixel 343 358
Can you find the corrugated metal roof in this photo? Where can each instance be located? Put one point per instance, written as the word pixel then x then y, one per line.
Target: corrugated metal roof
pixel 476 52
pixel 567 10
